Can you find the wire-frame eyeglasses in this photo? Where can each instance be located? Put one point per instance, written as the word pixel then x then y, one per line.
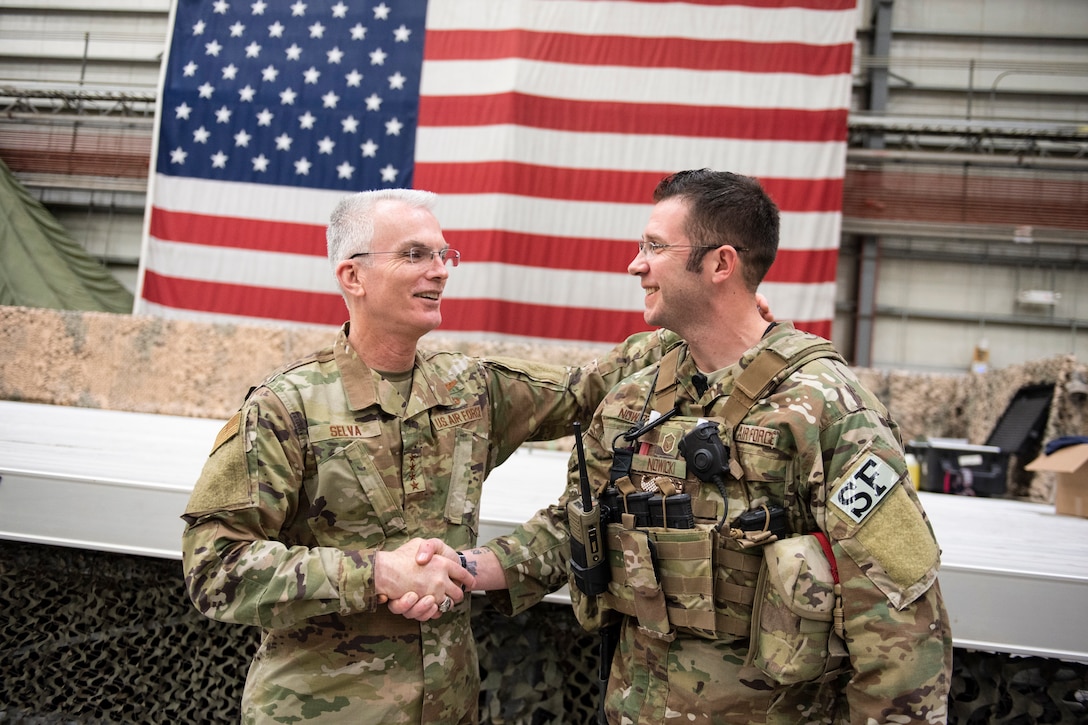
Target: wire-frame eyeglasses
pixel 415 255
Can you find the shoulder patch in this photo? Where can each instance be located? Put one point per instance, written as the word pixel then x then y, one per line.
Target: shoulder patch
pixel 224 481
pixel 864 487
pixel 883 529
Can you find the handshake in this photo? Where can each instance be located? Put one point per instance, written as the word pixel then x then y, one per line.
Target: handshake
pixel 421 580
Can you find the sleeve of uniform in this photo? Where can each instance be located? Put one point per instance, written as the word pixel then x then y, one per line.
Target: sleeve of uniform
pixel 533 558
pixel 539 402
pixel 897 630
pixel 592 382
pixel 235 568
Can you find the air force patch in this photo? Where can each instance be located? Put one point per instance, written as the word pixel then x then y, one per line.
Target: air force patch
pixel 766 437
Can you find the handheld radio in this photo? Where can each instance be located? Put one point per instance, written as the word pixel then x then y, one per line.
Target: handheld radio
pixel 588 555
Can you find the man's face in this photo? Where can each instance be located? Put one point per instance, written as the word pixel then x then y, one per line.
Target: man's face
pixel 400 297
pixel 673 293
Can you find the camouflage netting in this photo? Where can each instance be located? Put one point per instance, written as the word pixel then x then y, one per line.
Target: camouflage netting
pixel 95 638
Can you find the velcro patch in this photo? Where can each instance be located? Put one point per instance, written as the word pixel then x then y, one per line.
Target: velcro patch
pixel 224 481
pixel 866 485
pixel 658 466
pixel 441 421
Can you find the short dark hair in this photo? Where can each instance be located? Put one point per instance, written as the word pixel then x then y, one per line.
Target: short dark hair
pixel 726 208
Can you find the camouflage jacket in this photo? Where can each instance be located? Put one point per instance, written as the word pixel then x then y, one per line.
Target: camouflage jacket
pixel 808 446
pixel 323 466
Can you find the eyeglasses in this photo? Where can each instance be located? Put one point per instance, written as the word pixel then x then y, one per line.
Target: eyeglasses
pixel 651 249
pixel 415 255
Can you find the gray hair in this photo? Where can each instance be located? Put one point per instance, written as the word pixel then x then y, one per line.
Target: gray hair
pixel 351 224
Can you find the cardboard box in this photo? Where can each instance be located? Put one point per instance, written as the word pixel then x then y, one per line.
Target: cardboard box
pixel 1071 465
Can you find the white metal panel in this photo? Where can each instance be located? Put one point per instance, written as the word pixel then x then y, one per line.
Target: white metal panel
pixel 98 479
pixel 1014 574
pixel 91 513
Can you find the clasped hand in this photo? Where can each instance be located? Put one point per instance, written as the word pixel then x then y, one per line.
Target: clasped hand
pixel 416 578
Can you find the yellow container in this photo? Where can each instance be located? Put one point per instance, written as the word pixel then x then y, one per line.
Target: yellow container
pixel 914 468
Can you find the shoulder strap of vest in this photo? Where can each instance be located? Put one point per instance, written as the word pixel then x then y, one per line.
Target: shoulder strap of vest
pixel 665 385
pixel 765 373
pixel 769 368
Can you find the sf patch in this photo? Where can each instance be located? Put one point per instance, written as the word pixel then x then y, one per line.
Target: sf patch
pixel 865 486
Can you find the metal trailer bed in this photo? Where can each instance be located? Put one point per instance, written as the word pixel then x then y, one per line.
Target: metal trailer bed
pixel 1014 574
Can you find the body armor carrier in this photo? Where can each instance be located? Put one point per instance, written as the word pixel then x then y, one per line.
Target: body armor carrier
pixel 674 565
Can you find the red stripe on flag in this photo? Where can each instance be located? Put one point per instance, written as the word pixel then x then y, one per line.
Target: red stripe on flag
pixel 816 327
pixel 545 182
pixel 536 250
pixel 238 233
pixel 546 321
pixel 808 4
pixel 602 185
pixel 632 51
pixel 231 299
pixel 804 195
pixel 607 255
pixel 633 118
pixel 804 266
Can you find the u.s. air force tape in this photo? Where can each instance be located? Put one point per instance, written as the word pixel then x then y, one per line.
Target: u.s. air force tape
pixel 866 485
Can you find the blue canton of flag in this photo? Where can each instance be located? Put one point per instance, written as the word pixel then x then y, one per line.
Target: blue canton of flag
pixel 313 94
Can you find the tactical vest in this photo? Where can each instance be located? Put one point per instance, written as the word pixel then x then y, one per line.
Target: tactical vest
pixel 684 575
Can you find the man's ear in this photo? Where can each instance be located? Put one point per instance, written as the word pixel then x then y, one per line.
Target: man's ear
pixel 347 275
pixel 724 263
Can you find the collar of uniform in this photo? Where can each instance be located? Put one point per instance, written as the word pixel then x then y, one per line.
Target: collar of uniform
pixel 354 373
pixel 686 371
pixel 428 384
pixel 779 330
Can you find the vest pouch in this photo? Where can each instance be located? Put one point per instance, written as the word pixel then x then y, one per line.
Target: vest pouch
pixel 793 610
pixel 685 568
pixel 635 588
pixel 736 573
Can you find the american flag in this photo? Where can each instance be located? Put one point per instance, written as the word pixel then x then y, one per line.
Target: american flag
pixel 543 125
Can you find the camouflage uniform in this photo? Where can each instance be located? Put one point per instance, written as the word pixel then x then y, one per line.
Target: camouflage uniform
pixel 325 465
pixel 802 447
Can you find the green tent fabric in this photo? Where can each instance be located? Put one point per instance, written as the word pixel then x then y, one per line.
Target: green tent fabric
pixel 42 266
